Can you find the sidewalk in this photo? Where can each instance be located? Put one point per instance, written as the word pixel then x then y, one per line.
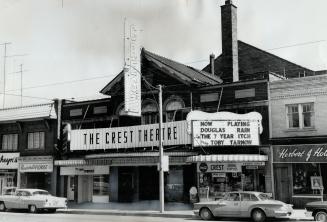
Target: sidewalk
pixel 147 208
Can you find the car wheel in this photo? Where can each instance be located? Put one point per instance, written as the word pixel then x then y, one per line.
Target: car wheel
pixel 2 206
pixel 32 209
pixel 321 216
pixel 206 214
pixel 258 215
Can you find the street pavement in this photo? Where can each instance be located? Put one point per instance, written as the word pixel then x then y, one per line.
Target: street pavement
pixel 62 217
pixel 143 211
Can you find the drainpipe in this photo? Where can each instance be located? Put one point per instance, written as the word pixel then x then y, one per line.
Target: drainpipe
pixel 270 137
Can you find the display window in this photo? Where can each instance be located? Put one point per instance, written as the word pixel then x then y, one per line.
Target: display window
pixel 101 185
pixel 302 178
pixel 213 185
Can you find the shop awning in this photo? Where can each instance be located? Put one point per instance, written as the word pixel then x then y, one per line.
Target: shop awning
pixel 228 158
pixel 137 154
pixel 69 162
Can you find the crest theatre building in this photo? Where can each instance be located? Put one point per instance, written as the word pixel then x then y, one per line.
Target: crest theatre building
pixel 125 172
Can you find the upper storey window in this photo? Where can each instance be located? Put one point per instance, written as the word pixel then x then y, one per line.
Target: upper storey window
pixel 300 116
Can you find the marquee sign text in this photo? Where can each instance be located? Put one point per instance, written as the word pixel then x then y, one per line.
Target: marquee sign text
pixel 225 133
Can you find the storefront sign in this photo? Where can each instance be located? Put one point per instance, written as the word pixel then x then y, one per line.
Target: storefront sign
pixel 132 69
pixel 300 153
pixel 84 170
pixel 225 128
pixel 9 160
pixel 219 167
pixel 36 167
pixel 174 133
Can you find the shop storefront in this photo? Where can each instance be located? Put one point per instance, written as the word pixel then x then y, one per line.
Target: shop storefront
pixel 86 183
pixel 300 172
pixel 235 159
pixel 8 170
pixel 37 172
pixel 218 174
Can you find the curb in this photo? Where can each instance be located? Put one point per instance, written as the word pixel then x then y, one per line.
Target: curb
pixel 151 214
pixel 117 213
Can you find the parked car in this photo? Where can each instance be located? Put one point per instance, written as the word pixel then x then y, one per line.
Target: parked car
pixel 255 205
pixel 317 209
pixel 31 199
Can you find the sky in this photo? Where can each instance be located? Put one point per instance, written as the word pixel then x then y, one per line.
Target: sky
pixel 70 49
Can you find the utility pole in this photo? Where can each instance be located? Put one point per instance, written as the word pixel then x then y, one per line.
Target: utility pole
pixel 161 172
pixel 4 72
pixel 21 84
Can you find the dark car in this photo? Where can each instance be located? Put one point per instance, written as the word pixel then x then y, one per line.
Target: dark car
pixel 317 209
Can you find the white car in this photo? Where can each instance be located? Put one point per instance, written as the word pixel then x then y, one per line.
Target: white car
pixel 31 199
pixel 255 205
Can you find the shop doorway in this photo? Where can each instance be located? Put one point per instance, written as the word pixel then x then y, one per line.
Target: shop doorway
pixel 71 188
pixel 283 184
pixel 149 183
pixel 6 182
pixel 126 184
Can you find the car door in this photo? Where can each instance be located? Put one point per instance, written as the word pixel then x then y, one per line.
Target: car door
pixel 229 206
pixel 25 199
pixel 13 201
pixel 247 201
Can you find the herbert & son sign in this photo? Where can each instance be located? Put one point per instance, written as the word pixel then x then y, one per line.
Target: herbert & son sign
pixel 300 153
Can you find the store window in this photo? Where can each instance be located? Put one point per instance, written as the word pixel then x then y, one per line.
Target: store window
pixel 35 140
pixel 302 174
pixel 174 109
pixel 300 115
pixel 9 142
pixel 101 185
pixel 150 112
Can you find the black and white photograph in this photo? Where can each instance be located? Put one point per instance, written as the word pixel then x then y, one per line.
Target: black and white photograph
pixel 156 110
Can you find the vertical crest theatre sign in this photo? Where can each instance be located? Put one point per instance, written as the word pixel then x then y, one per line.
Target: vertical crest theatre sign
pixel 132 70
pixel 225 128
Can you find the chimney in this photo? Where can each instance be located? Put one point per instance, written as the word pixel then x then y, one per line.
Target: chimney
pixel 212 64
pixel 229 41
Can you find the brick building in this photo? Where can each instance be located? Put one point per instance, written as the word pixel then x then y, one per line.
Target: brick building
pixel 28 136
pixel 299 136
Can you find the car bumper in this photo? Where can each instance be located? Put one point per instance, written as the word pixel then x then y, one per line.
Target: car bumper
pixel 308 213
pixel 196 212
pixel 282 214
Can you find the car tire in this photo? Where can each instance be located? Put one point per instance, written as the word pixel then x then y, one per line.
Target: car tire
pixel 32 209
pixel 2 206
pixel 258 215
pixel 321 216
pixel 206 214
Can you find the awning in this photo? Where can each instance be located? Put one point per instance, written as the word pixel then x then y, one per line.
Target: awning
pixel 228 158
pixel 69 162
pixel 138 154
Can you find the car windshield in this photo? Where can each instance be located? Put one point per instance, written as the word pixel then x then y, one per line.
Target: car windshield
pixel 264 196
pixel 41 193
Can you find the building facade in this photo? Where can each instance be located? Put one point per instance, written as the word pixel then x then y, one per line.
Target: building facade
pixel 298 120
pixel 28 141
